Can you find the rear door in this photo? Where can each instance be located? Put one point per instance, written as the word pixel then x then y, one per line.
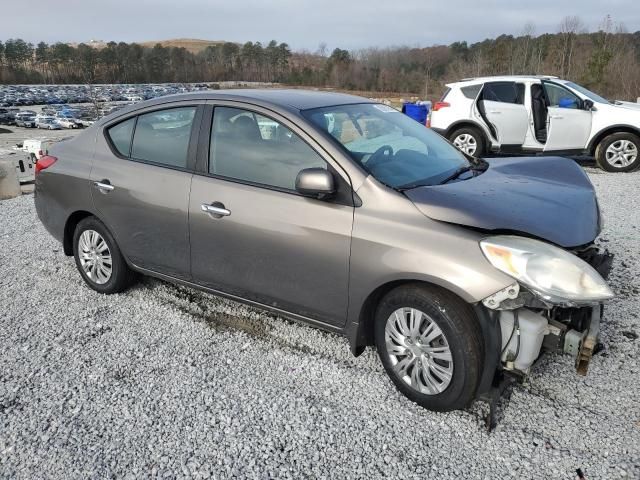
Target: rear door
pixel 141 178
pixel 568 124
pixel 269 244
pixel 502 104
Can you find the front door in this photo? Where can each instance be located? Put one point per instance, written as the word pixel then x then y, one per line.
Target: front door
pixel 140 184
pixel 252 235
pixel 568 124
pixel 503 106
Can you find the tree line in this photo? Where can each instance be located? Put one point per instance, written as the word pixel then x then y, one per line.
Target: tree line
pixel 606 60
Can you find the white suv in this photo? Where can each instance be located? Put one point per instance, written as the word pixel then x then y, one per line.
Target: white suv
pixel 538 114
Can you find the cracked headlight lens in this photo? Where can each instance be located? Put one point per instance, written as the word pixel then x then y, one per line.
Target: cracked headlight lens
pixel 552 273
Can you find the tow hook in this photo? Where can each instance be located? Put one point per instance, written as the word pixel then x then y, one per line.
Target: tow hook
pixel 590 342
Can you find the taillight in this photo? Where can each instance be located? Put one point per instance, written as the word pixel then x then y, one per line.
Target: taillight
pixel 45 162
pixel 428 124
pixel 440 105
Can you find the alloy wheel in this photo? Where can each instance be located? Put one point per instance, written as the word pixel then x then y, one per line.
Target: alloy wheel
pixel 95 257
pixel 418 351
pixel 621 153
pixel 466 143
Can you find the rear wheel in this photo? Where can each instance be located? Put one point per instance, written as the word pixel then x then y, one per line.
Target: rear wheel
pixel 98 257
pixel 430 344
pixel 619 152
pixel 468 140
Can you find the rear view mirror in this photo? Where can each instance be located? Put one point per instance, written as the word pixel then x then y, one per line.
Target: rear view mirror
pixel 315 182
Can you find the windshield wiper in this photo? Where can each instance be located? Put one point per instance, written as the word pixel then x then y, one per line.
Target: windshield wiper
pixel 456 174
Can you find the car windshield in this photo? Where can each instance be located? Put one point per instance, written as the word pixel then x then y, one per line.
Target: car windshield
pixel 588 93
pixel 395 149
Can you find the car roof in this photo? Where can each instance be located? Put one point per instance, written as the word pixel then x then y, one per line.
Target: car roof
pixel 293 100
pixel 501 78
pixel 296 99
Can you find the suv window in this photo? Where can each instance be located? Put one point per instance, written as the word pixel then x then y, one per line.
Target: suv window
pixel 471 91
pixel 120 136
pixel 505 92
pixel 163 136
pixel 258 149
pixel 561 97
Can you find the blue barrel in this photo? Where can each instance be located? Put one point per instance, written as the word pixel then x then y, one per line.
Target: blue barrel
pixel 416 111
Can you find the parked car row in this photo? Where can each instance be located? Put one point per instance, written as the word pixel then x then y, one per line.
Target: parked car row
pixel 538 114
pixel 23 95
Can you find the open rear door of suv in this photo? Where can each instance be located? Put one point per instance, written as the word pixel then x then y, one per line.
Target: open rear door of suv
pixel 502 107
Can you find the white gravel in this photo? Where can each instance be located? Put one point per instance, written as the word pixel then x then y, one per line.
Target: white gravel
pixel 169 382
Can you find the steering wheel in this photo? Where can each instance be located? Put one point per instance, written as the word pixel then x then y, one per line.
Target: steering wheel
pixel 380 156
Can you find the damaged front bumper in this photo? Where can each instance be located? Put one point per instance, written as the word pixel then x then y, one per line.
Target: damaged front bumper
pixel 530 326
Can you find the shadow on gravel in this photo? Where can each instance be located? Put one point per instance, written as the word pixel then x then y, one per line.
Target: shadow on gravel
pixel 198 304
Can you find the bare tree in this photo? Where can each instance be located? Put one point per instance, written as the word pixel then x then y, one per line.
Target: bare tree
pixel 569 28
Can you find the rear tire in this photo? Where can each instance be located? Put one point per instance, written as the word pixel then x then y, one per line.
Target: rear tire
pixel 99 259
pixel 446 349
pixel 468 140
pixel 619 152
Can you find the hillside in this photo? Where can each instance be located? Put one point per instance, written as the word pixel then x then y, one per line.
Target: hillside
pixel 193 45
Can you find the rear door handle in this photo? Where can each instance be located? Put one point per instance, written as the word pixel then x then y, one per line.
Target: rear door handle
pixel 497 112
pixel 104 186
pixel 216 209
pixel 557 117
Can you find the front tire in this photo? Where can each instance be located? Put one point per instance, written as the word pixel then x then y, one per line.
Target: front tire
pixel 619 152
pixel 430 344
pixel 99 259
pixel 468 140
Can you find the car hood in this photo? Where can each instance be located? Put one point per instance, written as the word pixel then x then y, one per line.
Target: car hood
pixel 629 105
pixel 546 197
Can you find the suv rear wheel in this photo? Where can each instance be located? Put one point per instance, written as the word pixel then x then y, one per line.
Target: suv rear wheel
pixel 468 140
pixel 619 152
pixel 98 257
pixel 430 344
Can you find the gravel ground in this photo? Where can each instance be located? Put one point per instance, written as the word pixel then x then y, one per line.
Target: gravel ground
pixel 165 381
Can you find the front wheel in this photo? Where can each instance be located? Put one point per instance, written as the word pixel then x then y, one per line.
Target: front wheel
pixel 619 152
pixel 98 257
pixel 430 344
pixel 468 140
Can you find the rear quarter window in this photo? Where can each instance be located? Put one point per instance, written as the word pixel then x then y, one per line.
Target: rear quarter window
pixel 471 91
pixel 120 136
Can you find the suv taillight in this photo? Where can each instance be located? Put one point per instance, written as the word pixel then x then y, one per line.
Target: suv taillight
pixel 440 105
pixel 45 162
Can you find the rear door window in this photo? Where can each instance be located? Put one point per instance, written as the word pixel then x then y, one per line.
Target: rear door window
pixel 120 136
pixel 504 92
pixel 163 136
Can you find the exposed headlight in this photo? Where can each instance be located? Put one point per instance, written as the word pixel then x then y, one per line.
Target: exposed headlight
pixel 552 273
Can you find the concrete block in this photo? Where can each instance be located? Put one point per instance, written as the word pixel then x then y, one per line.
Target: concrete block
pixel 9 184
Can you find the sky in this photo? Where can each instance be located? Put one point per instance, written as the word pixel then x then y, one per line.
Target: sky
pixel 303 24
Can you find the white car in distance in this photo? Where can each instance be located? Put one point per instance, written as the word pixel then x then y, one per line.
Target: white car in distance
pixel 531 114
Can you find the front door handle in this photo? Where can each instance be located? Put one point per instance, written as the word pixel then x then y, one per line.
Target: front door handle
pixel 557 117
pixel 104 186
pixel 496 112
pixel 216 209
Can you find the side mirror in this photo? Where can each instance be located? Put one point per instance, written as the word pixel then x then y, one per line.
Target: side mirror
pixel 587 104
pixel 315 182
